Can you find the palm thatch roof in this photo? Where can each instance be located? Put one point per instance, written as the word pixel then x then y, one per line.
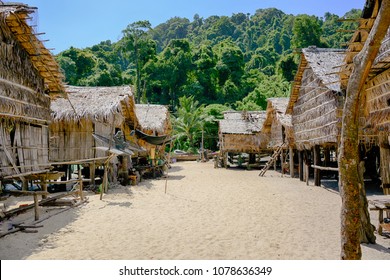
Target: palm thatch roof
pixel 153 117
pixel 95 103
pixel 325 64
pixel 14 19
pixel 246 122
pixel 278 106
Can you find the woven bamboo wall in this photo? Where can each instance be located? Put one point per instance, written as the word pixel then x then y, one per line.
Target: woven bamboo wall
pixel 276 133
pixel 317 113
pixel 71 140
pixel 244 143
pixel 24 109
pixel 378 101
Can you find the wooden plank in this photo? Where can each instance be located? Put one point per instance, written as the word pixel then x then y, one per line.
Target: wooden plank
pixel 324 168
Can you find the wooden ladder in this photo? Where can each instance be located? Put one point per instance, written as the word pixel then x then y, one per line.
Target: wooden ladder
pixel 271 160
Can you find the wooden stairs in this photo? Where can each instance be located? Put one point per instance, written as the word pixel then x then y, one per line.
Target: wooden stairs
pixel 272 159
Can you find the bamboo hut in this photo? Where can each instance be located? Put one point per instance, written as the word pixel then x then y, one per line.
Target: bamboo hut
pixel 154 122
pixel 241 132
pixel 315 105
pixel 375 114
pixel 29 75
pixel 100 110
pixel 278 127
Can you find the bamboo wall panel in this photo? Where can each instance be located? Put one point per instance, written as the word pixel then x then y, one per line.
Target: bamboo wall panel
pixel 378 100
pixel 71 140
pixel 316 115
pixel 241 143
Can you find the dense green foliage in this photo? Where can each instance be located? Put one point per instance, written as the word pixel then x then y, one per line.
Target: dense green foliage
pixel 238 61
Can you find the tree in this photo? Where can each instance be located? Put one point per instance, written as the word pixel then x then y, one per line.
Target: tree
pixel 351 184
pixel 306 32
pixel 190 121
pixel 139 47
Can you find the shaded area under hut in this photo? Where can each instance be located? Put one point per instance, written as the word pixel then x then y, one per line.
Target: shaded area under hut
pixel 240 135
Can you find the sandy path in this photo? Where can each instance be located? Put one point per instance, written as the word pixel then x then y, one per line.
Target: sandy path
pixel 207 214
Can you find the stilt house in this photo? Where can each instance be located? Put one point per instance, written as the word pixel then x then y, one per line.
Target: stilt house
pixel 28 76
pixel 316 104
pixel 154 124
pixel 88 110
pixel 240 132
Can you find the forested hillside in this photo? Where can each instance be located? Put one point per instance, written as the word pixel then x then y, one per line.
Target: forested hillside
pixel 238 61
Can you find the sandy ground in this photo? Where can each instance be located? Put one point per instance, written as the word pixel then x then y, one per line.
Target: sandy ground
pixel 207 213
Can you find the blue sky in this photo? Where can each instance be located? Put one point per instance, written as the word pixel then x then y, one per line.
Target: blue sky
pixel 83 23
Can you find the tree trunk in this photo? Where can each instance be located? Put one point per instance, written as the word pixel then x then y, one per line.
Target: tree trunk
pixel 352 220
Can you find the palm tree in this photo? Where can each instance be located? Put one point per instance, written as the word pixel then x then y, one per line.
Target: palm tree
pixel 190 120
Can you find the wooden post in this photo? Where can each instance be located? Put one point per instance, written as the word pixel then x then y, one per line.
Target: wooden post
pixel 80 183
pixel 44 187
pixel 276 158
pixel 282 161
pixel 92 168
pixel 326 151
pixel 317 161
pixel 300 165
pixel 225 159
pixel 36 207
pixel 291 155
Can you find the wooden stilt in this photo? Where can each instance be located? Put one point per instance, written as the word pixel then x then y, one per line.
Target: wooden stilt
pixel 317 161
pixel 300 165
pixel 275 160
pixel 36 207
pixel 291 161
pixel 92 168
pixel 80 183
pixel 282 162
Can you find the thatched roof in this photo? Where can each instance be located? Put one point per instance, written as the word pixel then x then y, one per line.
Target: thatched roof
pixel 153 117
pixel 94 103
pixel 325 64
pixel 250 122
pixel 278 105
pixel 15 17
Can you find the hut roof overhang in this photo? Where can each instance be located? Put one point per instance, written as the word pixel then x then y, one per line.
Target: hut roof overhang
pixel 16 16
pixel 94 103
pixel 152 117
pixel 234 122
pixel 325 64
